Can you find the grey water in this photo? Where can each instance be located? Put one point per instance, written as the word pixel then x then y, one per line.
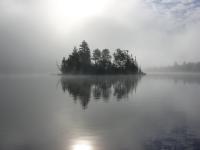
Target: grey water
pixel 50 112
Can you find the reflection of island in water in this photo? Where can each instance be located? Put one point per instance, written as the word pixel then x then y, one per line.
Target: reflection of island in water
pixel 84 88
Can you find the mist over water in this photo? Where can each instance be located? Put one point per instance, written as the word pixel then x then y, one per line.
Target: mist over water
pixel 152 112
pixel 40 111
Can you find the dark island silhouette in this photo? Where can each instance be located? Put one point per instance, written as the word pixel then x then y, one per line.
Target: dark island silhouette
pixel 80 61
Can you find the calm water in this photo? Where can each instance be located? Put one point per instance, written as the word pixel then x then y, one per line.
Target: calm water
pixel 154 112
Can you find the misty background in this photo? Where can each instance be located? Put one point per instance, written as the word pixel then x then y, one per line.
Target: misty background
pixel 35 34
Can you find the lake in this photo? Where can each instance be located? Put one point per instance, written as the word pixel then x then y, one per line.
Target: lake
pixel 50 112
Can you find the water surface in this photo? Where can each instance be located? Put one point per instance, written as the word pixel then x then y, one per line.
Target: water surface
pixel 48 112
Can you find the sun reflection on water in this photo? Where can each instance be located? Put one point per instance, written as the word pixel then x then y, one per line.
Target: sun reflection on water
pixel 82 145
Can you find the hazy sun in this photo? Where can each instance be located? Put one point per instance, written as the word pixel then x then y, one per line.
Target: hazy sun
pixel 68 12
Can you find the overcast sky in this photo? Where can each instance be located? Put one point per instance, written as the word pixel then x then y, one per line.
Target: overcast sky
pixel 34 34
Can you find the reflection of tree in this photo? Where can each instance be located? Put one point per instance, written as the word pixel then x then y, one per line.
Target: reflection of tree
pixel 99 87
pixel 123 87
pixel 80 89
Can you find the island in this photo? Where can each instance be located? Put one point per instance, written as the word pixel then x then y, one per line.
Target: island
pixel 101 62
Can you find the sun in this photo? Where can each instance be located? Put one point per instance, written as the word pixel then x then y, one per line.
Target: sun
pixel 68 13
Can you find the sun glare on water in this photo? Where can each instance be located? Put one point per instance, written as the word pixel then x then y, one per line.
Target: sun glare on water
pixel 82 145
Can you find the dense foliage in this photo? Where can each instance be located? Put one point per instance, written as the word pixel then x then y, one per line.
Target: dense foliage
pixel 101 62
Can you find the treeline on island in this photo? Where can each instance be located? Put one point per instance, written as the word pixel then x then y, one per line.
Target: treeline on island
pixel 80 61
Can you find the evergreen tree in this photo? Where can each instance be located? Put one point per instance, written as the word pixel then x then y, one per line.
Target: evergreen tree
pixel 84 57
pixel 124 63
pixel 96 56
pixel 74 61
pixel 120 58
pixel 63 66
pixel 106 55
pixel 84 52
pixel 106 59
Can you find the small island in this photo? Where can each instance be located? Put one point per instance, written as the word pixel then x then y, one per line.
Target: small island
pixel 101 62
